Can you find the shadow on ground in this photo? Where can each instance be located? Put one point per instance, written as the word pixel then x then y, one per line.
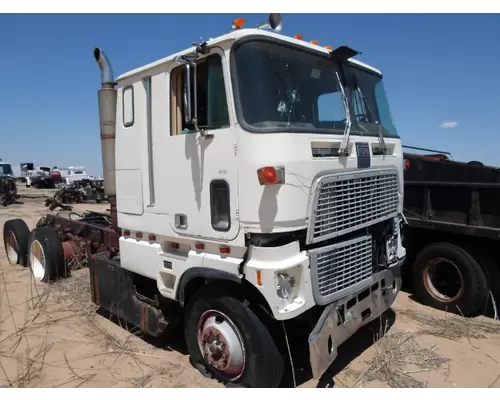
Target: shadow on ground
pixel 347 352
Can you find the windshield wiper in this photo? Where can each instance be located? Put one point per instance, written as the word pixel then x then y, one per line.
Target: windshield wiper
pixel 347 130
pixel 365 102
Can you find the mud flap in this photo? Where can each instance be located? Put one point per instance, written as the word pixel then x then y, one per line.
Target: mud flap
pixel 112 289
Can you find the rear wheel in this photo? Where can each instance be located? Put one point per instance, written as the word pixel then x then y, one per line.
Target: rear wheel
pixel 228 342
pixel 46 255
pixel 446 277
pixel 491 270
pixel 15 239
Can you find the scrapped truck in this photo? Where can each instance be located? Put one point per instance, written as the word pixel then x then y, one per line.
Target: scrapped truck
pixel 254 179
pixel 74 174
pixel 453 232
pixel 8 187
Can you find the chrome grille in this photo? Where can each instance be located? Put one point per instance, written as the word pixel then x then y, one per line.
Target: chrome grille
pixel 347 202
pixel 338 268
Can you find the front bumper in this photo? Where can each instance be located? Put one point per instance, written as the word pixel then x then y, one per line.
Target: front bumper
pixel 342 318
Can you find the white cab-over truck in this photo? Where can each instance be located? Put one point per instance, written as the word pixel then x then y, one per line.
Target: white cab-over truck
pixel 254 179
pixel 73 174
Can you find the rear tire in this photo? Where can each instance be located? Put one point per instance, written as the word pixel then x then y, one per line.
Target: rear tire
pixel 491 270
pixel 446 277
pixel 238 349
pixel 15 239
pixel 46 255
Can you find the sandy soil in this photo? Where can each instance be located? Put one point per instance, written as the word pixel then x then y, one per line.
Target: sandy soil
pixel 50 336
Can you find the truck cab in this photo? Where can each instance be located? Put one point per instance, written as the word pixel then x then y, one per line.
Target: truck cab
pixel 73 174
pixel 5 169
pixel 269 159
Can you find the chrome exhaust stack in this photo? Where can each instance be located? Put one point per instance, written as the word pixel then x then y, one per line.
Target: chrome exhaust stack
pixel 107 96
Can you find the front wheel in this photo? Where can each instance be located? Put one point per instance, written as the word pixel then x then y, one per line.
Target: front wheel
pixel 228 342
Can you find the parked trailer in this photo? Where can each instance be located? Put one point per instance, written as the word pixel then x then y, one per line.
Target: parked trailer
pixel 249 212
pixel 453 232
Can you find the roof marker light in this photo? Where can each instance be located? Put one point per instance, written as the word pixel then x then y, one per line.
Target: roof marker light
pixel 238 23
pixel 329 47
pixel 298 37
pixel 314 42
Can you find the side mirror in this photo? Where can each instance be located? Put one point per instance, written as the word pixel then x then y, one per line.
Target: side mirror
pixel 190 113
pixel 187 94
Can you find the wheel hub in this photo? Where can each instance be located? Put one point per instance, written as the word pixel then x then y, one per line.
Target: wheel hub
pixel 221 344
pixel 37 260
pixel 443 280
pixel 216 348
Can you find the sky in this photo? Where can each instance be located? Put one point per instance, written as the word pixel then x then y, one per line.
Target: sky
pixel 441 74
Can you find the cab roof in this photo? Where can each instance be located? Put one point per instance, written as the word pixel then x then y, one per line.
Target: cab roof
pixel 234 35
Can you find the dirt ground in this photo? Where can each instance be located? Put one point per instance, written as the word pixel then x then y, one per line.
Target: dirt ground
pixel 51 336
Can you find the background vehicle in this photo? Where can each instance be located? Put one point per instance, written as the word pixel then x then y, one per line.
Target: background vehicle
pixel 5 168
pixel 239 243
pixel 44 177
pixel 8 188
pixel 73 174
pixel 453 231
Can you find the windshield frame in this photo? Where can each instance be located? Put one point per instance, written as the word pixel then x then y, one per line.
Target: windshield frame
pixel 344 73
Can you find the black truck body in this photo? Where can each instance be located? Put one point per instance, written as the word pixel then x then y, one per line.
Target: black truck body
pixel 453 232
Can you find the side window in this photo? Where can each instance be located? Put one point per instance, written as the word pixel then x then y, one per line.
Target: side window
pixel 128 106
pixel 331 109
pixel 212 110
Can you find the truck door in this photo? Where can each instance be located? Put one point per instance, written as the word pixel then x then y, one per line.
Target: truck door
pixel 201 172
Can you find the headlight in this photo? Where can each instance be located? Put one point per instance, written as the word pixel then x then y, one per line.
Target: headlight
pixel 284 285
pixel 392 249
pixel 392 243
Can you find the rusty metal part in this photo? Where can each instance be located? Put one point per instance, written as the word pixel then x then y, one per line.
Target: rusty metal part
pixel 69 250
pixel 52 204
pixel 440 275
pixel 8 191
pixel 114 213
pixel 91 231
pixel 221 344
pixel 82 191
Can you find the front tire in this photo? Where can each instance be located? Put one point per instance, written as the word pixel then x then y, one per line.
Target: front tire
pixel 228 342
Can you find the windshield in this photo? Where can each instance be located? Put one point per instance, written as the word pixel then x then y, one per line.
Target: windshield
pixel 282 88
pixel 5 169
pixel 369 102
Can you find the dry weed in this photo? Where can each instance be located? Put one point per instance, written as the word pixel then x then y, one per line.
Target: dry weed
pixel 397 358
pixel 451 326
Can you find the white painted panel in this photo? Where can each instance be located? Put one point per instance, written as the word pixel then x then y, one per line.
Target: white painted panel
pixel 129 196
